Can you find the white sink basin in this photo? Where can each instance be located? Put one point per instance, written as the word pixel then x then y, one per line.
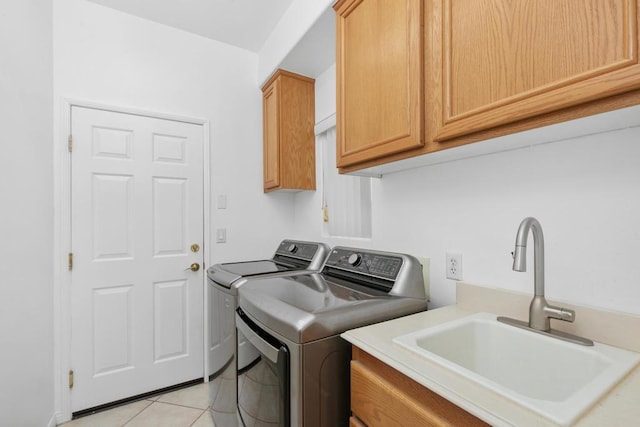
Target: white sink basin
pixel 553 378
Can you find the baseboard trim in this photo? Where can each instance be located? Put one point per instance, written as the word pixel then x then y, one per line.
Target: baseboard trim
pixel 114 404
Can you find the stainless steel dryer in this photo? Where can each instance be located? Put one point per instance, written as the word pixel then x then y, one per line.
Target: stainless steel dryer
pixel 290 257
pixel 302 378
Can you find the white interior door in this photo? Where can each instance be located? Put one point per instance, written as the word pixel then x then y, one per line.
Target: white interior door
pixel 136 209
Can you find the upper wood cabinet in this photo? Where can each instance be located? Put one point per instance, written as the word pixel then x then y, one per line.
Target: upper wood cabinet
pixel 502 61
pixel 491 68
pixel 379 67
pixel 288 136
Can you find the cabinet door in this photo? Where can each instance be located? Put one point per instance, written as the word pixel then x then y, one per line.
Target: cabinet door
pixel 502 60
pixel 271 137
pixel 382 396
pixel 297 138
pixel 379 72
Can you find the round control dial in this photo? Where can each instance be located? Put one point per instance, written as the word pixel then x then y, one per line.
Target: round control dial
pixel 354 259
pixel 292 248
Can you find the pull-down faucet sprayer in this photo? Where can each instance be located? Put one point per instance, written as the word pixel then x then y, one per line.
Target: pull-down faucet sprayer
pixel 520 252
pixel 540 312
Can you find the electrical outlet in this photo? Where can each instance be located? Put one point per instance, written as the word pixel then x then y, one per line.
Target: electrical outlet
pixel 454 266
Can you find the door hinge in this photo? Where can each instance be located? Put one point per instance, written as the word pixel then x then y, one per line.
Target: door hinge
pixel 71 378
pixel 70 260
pixel 70 143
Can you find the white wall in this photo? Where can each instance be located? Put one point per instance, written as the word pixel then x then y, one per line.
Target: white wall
pixel 293 25
pixel 26 216
pixel 584 191
pixel 105 56
pixel 325 94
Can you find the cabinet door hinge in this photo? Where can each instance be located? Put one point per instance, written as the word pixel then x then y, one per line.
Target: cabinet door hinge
pixel 71 378
pixel 70 260
pixel 70 143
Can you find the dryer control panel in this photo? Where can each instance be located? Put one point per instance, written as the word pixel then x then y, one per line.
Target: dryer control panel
pixel 295 249
pixel 369 263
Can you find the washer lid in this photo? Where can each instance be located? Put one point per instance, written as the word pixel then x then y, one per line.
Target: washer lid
pixel 308 307
pixel 227 273
pixel 253 268
pixel 291 255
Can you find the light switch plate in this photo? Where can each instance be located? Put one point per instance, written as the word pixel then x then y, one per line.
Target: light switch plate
pixel 222 201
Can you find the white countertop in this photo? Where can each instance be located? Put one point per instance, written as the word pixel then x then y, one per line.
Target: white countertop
pixel 619 407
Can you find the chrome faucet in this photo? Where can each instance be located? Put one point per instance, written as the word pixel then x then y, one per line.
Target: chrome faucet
pixel 540 312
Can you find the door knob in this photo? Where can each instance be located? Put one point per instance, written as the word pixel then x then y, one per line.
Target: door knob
pixel 193 267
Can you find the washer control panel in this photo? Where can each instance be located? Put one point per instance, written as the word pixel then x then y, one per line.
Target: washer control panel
pixel 296 249
pixel 364 262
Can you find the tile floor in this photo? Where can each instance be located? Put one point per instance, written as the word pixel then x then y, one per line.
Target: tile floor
pixel 188 407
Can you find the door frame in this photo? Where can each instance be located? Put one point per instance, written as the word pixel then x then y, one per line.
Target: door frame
pixel 62 240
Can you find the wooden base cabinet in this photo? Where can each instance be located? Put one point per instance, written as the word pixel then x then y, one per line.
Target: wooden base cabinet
pixel 382 396
pixel 288 137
